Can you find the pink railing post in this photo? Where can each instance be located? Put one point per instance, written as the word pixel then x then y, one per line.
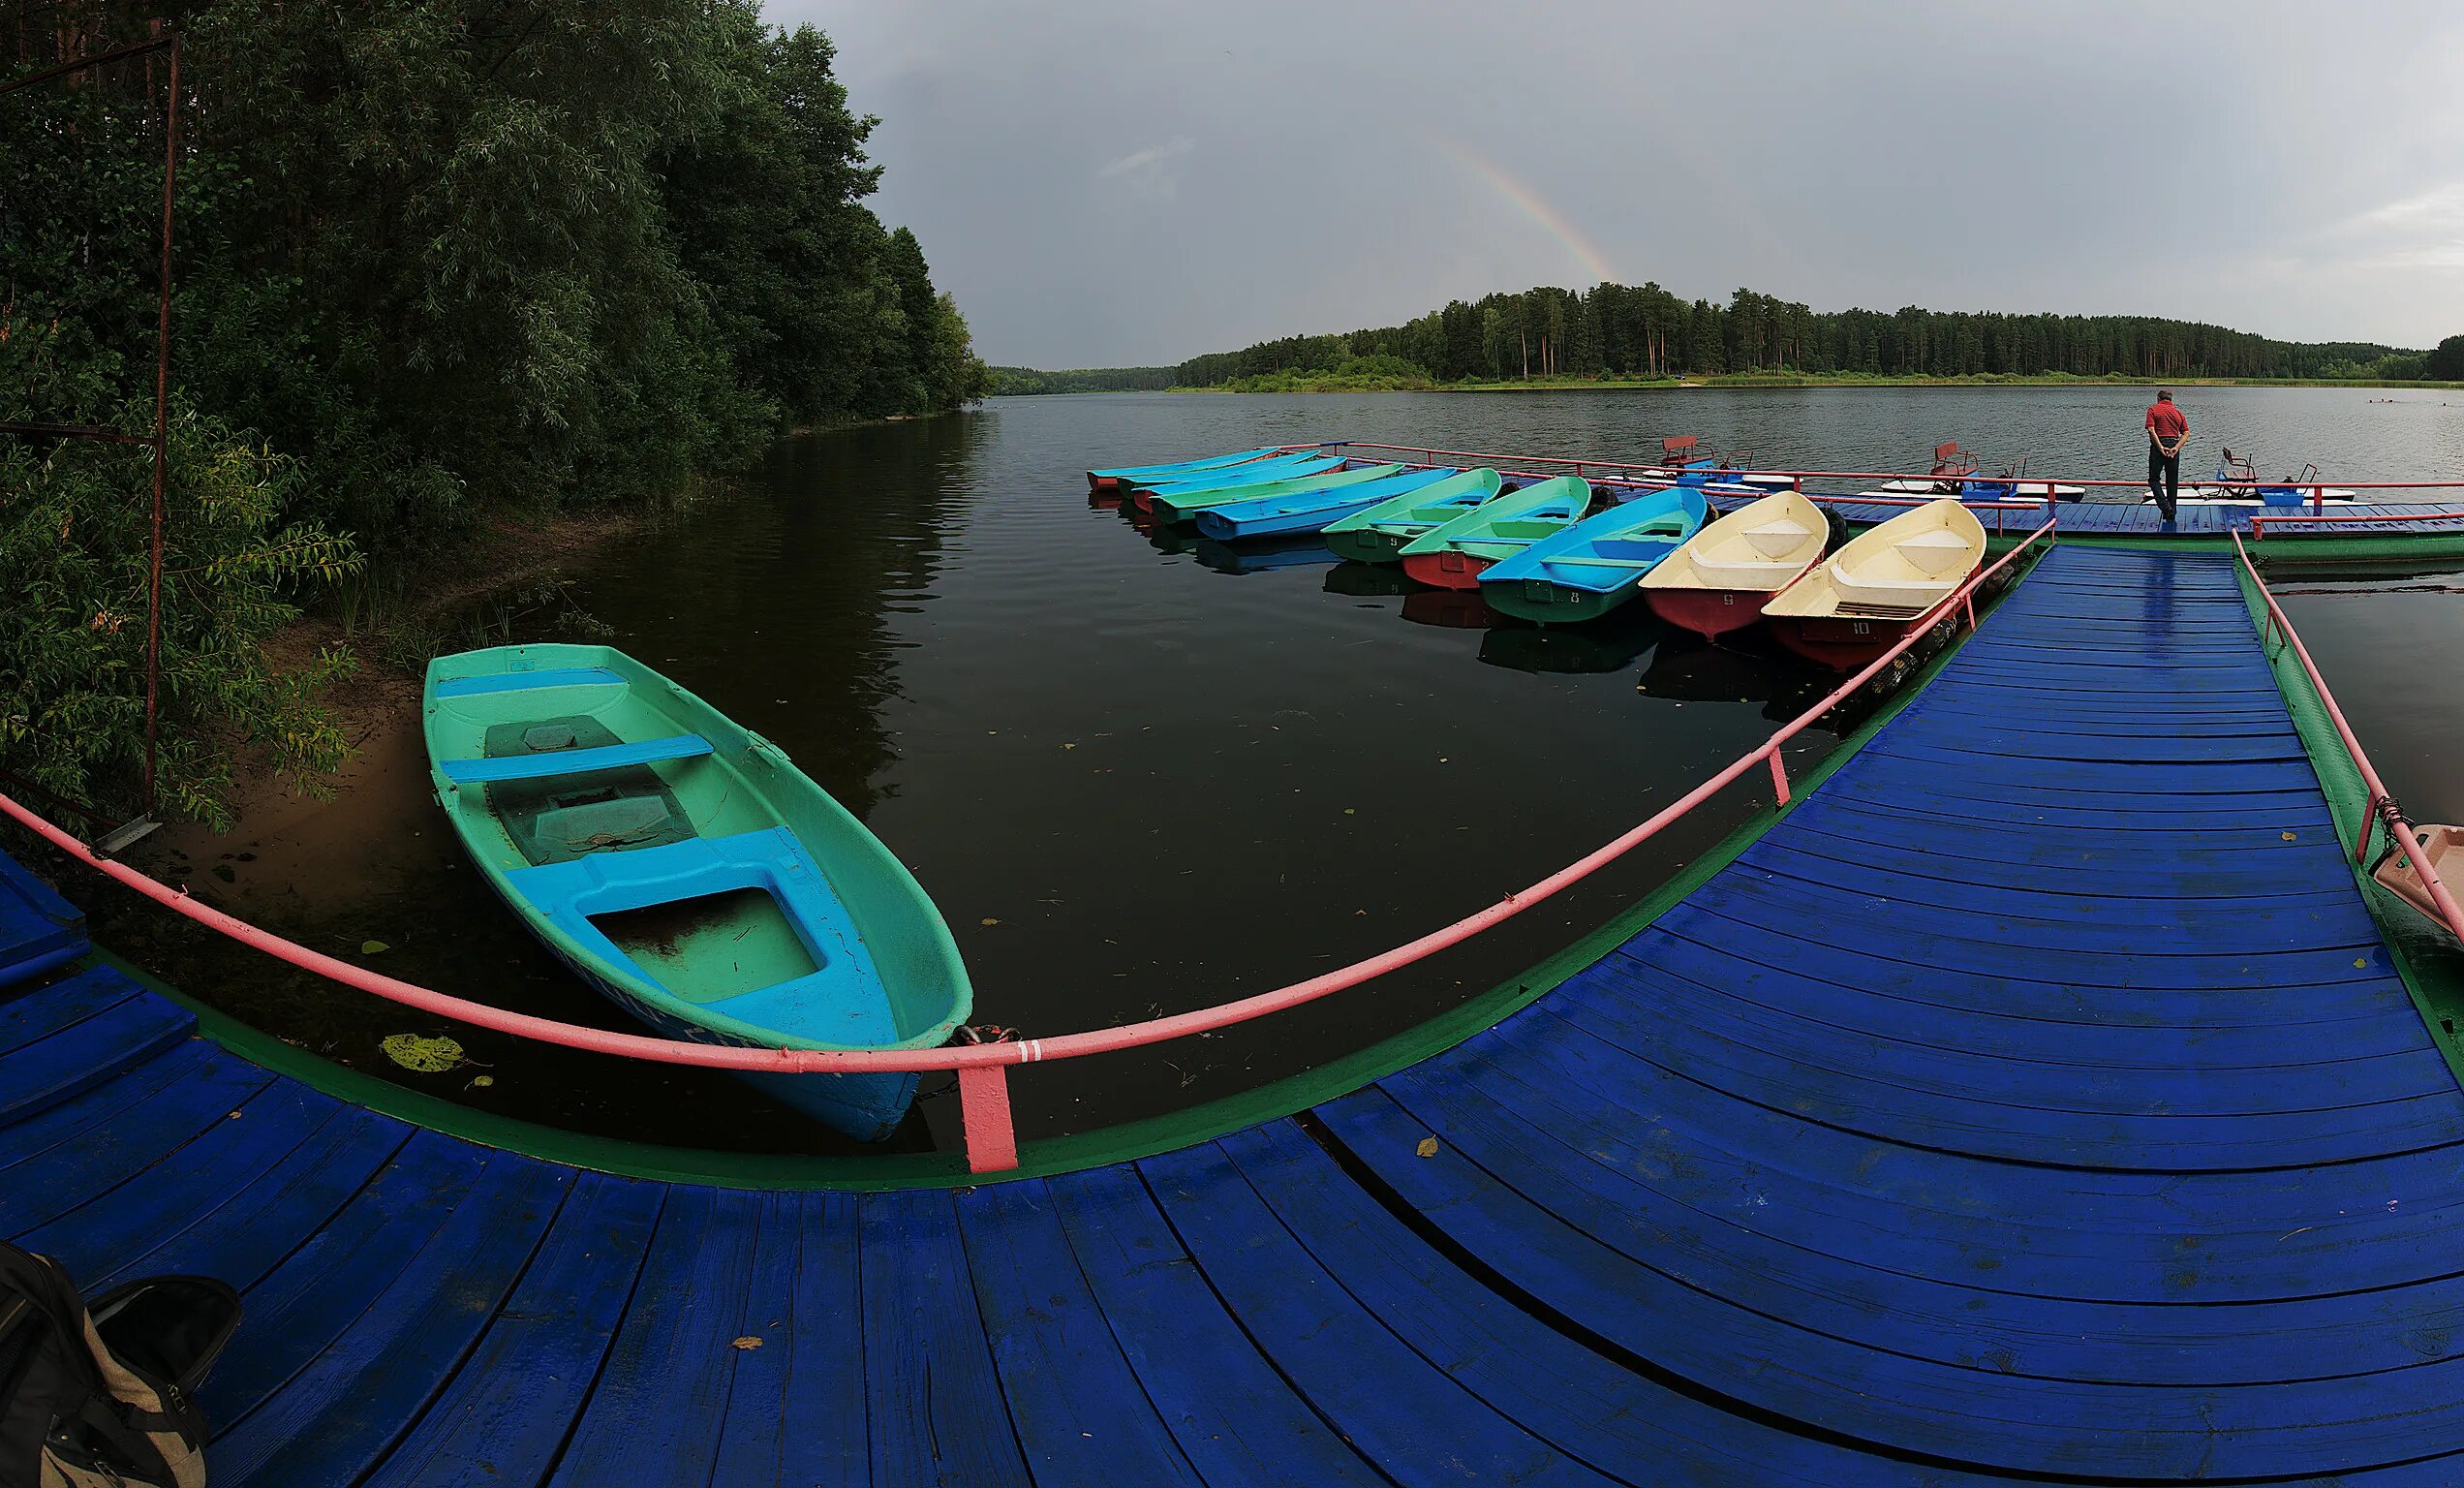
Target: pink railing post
pixel 1779 777
pixel 983 1113
pixel 2361 836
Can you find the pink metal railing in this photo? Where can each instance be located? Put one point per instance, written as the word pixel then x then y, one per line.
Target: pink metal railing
pixel 2380 806
pixel 2317 488
pixel 2258 520
pixel 991 1144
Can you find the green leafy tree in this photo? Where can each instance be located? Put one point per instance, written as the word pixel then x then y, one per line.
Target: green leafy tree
pixel 2446 363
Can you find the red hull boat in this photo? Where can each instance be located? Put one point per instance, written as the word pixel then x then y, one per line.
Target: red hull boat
pixel 1448 569
pixel 1709 613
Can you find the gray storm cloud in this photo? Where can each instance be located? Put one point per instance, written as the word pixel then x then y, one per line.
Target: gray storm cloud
pixel 2293 170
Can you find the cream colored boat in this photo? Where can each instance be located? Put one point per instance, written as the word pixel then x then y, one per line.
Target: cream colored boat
pixel 1720 580
pixel 2444 846
pixel 1896 571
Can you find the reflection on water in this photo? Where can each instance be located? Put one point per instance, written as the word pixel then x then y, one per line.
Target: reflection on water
pixel 1131 786
pixel 1608 645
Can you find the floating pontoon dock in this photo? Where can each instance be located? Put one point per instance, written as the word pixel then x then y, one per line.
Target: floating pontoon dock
pixel 2033 1100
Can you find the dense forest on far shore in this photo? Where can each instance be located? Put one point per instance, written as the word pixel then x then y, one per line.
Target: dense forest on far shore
pixel 433 263
pixel 1015 382
pixel 1614 331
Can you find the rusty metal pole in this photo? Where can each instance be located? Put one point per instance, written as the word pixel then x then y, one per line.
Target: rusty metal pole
pixel 162 420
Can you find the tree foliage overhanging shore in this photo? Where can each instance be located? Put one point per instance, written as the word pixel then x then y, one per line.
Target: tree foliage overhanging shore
pixel 433 263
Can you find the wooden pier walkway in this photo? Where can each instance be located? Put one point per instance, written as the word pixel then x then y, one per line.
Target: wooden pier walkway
pixel 2036 1102
pixel 2125 519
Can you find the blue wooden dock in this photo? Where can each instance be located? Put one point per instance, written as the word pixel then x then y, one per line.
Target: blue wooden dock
pixel 2034 1102
pixel 2123 520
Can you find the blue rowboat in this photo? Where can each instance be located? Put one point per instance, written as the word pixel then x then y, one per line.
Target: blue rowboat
pixel 684 869
pixel 1295 550
pixel 1121 474
pixel 1247 471
pixel 1593 565
pixel 1309 510
pixel 1379 533
pixel 1184 505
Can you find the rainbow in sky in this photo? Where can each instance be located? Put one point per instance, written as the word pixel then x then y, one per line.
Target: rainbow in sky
pixel 1532 204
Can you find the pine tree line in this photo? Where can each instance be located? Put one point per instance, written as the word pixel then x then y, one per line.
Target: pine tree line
pixel 1618 331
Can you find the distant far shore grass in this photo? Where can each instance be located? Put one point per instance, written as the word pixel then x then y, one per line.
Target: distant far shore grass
pixel 1288 382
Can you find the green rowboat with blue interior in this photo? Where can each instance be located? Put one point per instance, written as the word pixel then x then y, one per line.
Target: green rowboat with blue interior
pixel 1379 533
pixel 1454 555
pixel 681 865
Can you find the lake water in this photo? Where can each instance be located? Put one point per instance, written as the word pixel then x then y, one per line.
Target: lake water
pixel 1141 776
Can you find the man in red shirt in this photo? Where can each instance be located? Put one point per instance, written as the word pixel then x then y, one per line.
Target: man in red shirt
pixel 2167 428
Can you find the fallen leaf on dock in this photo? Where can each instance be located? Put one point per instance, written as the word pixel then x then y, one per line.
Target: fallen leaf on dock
pixel 1428 1147
pixel 2288 837
pixel 749 1340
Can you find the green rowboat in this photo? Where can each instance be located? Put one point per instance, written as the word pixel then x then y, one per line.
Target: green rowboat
pixel 1379 533
pixel 684 868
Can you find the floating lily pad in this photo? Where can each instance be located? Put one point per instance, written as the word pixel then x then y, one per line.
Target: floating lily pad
pixel 426 1056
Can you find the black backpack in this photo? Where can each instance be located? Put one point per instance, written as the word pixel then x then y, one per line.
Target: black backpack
pixel 102 1394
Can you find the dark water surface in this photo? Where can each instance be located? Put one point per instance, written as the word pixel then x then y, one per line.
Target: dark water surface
pixel 1140 775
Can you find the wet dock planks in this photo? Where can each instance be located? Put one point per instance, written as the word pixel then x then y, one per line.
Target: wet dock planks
pixel 2035 1102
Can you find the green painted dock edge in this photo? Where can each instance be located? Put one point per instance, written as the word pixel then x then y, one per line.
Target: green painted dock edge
pixel 2430 963
pixel 1050 1155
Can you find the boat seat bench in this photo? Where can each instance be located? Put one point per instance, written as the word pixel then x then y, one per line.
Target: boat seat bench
pixel 528 681
pixel 842 994
pixel 549 763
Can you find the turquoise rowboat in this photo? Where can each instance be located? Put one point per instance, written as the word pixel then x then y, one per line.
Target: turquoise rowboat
pixel 1306 512
pixel 680 865
pixel 1453 556
pixel 1259 472
pixel 1127 475
pixel 1185 505
pixel 1586 569
pixel 1379 533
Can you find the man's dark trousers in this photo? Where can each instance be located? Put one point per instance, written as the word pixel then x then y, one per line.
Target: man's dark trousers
pixel 2164 479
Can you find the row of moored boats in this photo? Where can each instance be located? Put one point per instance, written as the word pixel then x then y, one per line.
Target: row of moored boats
pixel 1560 549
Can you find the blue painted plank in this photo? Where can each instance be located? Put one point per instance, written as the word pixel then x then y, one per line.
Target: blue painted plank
pixel 242 1232
pixel 318 1291
pixel 274 1213
pixel 937 1414
pixel 572 761
pixel 1414 1423
pixel 112 1152
pixel 72 1000
pixel 505 1414
pixel 1821 888
pixel 87 1053
pixel 39 930
pixel 1237 1419
pixel 1677 972
pixel 2104 1234
pixel 660 1403
pixel 1614 1418
pixel 1079 1411
pixel 528 681
pixel 1974 1412
pixel 331 1421
pixel 107 1219
pixel 53 1124
pixel 1584 1162
pixel 796 1412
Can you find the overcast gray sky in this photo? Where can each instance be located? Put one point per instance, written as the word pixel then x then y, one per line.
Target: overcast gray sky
pixel 1112 182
